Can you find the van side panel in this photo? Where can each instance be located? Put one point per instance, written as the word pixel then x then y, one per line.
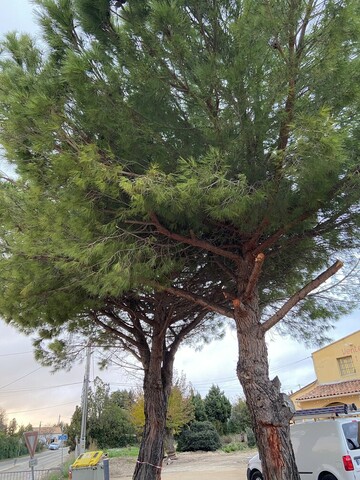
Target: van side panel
pixel 318 449
pixel 322 447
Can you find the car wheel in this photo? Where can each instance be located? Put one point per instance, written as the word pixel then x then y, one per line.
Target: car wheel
pixel 256 476
pixel 328 476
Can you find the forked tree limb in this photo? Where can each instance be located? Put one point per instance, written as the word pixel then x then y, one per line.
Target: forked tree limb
pixel 121 336
pixel 198 300
pixel 179 337
pixel 300 295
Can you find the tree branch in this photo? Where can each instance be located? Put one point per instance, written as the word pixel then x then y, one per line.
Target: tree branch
pixel 193 241
pixel 307 18
pixel 7 179
pixel 213 307
pixel 270 241
pixel 113 331
pixel 259 260
pixel 300 295
pixel 179 337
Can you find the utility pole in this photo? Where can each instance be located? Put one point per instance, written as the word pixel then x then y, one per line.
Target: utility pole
pixel 84 403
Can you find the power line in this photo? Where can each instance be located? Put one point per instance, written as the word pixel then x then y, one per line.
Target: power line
pixel 125 384
pixel 17 353
pixel 288 364
pixel 40 408
pixel 41 388
pixel 20 378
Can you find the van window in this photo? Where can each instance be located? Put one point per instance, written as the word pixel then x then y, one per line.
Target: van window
pixel 352 434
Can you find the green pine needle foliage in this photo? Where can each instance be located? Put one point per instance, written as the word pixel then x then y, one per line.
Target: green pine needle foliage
pixel 200 114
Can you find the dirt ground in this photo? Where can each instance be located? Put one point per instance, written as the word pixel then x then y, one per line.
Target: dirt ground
pixel 192 466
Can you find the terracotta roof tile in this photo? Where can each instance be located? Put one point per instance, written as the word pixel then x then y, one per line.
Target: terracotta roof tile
pixel 332 390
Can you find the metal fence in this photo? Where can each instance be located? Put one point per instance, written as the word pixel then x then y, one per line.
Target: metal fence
pixel 27 475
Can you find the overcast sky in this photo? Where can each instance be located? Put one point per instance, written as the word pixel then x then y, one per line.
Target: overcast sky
pixel 30 393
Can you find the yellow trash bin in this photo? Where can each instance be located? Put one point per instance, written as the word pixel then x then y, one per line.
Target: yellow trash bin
pixel 88 466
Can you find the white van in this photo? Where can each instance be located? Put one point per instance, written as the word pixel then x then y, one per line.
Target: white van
pixel 324 450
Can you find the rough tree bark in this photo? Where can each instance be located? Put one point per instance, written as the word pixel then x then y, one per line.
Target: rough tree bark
pixel 269 411
pixel 149 463
pixel 270 415
pixel 158 376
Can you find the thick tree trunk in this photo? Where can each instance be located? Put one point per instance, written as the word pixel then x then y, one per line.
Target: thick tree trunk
pixel 149 463
pixel 270 414
pixel 158 375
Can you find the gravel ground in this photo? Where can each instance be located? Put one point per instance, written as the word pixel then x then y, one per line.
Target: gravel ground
pixel 190 466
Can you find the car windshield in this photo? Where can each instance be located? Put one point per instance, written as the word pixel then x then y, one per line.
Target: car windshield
pixel 352 434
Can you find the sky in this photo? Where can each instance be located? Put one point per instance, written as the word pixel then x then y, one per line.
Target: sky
pixel 32 394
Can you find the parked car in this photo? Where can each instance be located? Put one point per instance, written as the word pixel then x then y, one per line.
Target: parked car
pixel 325 449
pixel 54 446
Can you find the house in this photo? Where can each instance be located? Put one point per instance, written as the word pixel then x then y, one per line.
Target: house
pixel 337 369
pixel 48 435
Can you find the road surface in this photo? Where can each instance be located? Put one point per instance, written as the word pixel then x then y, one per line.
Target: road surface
pixel 46 460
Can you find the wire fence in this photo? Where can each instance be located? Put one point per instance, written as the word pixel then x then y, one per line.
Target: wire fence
pixel 27 474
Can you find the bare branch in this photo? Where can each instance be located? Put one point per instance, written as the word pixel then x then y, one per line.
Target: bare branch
pixel 113 331
pixel 300 295
pixel 212 307
pixel 185 331
pixel 307 18
pixel 6 178
pixel 259 260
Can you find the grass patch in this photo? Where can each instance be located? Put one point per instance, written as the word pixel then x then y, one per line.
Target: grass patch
pixel 55 476
pixel 235 447
pixel 123 452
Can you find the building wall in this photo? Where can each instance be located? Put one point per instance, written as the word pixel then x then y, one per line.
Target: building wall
pixel 339 361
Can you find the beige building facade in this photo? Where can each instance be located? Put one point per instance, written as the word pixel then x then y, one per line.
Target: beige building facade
pixel 337 370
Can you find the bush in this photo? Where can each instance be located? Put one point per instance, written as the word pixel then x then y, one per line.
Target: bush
pixel 11 446
pixel 225 439
pixel 199 436
pixel 235 447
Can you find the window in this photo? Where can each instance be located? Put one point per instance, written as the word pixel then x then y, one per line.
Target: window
pixel 346 365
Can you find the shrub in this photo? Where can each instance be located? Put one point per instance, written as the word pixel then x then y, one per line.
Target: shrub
pixel 234 447
pixel 199 436
pixel 225 439
pixel 11 446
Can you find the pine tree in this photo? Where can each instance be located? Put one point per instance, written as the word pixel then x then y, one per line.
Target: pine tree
pixel 177 160
pixel 217 408
pixel 199 407
pixel 67 126
pixel 240 419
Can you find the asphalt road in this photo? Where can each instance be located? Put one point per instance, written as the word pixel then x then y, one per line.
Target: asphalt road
pixel 46 460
